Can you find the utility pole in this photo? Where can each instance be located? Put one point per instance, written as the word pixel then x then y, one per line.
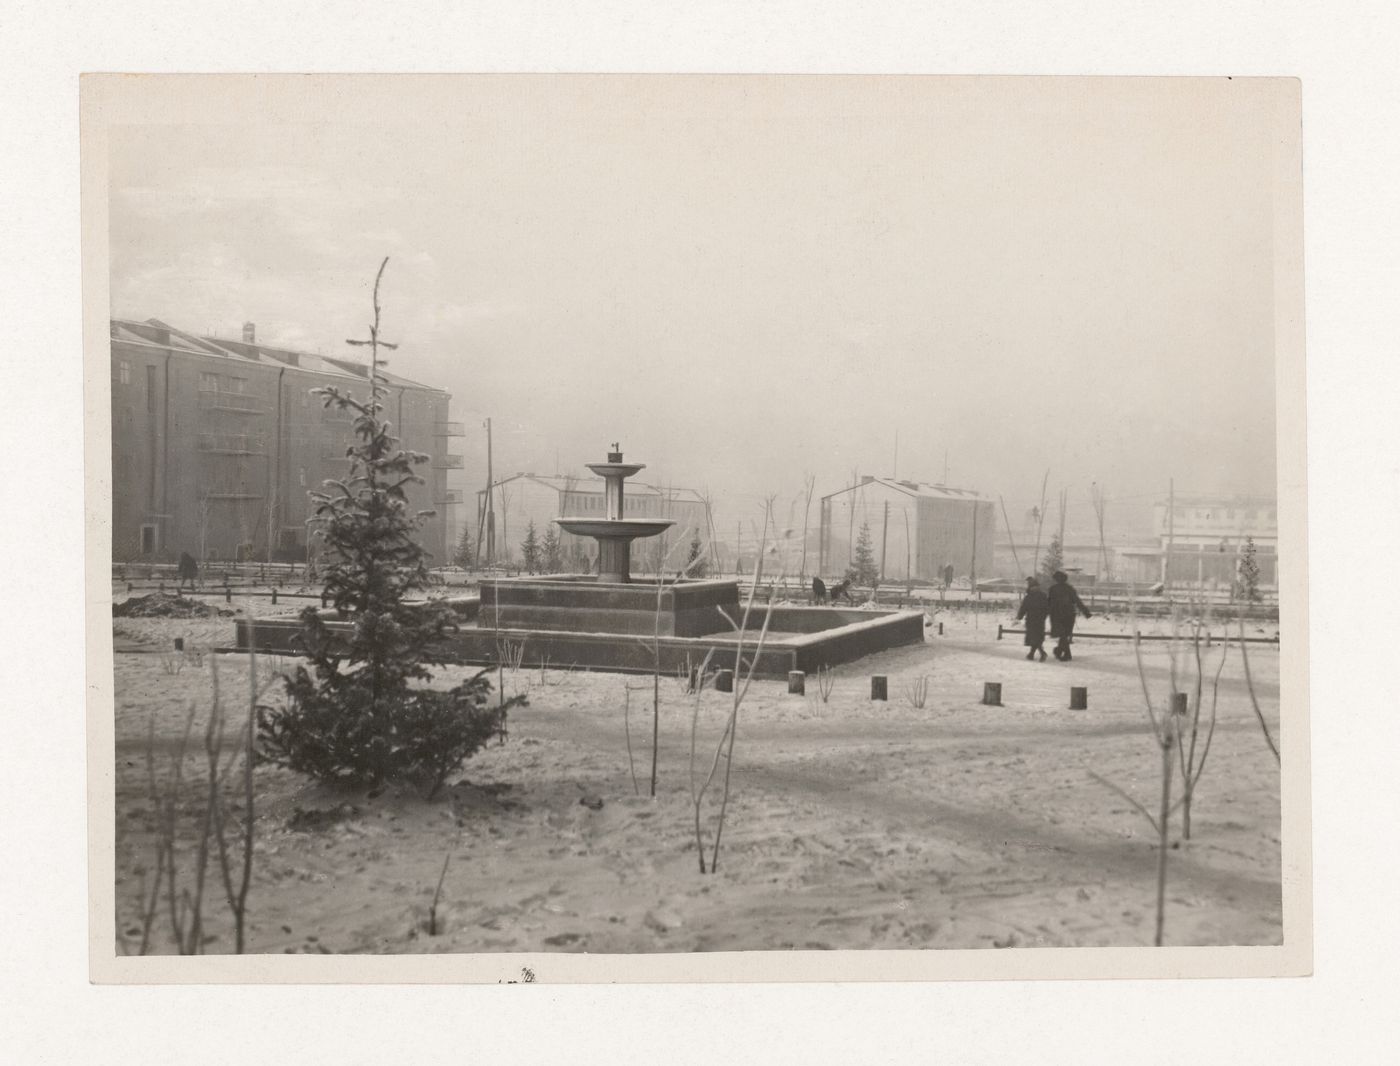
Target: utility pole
pixel 738 546
pixel 1171 534
pixel 894 469
pixel 884 540
pixel 973 567
pixel 490 504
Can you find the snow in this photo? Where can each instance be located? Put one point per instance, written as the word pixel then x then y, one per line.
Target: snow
pixel 851 823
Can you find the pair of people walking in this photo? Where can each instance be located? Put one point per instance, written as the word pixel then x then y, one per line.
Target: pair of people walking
pixel 1059 605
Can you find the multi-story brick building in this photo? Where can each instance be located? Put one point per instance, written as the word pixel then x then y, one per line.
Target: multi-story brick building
pixel 216 444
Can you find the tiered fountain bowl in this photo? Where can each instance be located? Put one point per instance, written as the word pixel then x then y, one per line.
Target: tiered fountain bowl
pixel 614 533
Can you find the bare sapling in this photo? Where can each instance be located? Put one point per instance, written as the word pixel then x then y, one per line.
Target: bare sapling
pixel 437 895
pixel 1011 537
pixel 185 901
pixel 826 681
pixel 724 749
pixel 1193 748
pixel 916 692
pixel 655 648
pixel 1165 734
pixel 627 734
pixel 809 484
pixel 1253 699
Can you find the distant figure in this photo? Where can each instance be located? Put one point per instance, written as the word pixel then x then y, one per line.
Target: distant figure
pixel 841 591
pixel 948 576
pixel 1035 607
pixel 1064 601
pixel 187 570
pixel 818 591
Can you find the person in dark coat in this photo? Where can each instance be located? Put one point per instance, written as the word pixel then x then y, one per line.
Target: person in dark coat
pixel 1035 606
pixel 1064 601
pixel 187 570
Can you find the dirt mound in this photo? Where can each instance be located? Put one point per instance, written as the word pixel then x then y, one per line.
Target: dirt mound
pixel 163 605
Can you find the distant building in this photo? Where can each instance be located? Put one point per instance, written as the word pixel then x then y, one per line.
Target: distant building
pixel 540 498
pixel 1207 533
pixel 916 529
pixel 216 444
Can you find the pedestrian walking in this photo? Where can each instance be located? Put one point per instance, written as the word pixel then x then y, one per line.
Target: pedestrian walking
pixel 1064 602
pixel 1035 608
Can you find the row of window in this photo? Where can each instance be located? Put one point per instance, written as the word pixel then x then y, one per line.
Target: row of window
pixel 1229 514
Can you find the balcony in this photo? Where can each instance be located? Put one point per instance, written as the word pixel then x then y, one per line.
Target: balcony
pixel 448 429
pixel 447 462
pixel 232 444
pixel 231 401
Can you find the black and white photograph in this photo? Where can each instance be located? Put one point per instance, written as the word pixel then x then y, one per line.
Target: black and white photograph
pixel 558 522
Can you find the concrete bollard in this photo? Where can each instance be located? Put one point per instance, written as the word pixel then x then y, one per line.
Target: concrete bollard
pixel 179 643
pixel 998 631
pixel 274 597
pixel 940 629
pixel 1078 699
pixel 797 683
pixel 228 594
pixel 879 687
pixel 991 693
pixel 1179 704
pixel 724 681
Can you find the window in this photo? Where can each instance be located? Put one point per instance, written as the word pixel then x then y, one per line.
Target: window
pixel 148 536
pixel 208 382
pixel 239 385
pixel 150 389
pixel 124 372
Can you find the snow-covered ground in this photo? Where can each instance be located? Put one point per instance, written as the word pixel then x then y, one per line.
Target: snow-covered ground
pixel 851 823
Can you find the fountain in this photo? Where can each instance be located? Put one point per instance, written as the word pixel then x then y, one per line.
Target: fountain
pixel 614 533
pixel 608 621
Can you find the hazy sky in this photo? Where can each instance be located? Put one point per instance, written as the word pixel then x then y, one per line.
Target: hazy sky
pixel 745 279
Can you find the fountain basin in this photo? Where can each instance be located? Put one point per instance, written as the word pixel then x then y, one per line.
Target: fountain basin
pixel 615 528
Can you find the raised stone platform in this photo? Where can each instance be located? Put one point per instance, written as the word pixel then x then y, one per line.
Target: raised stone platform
pixel 804 638
pixel 585 605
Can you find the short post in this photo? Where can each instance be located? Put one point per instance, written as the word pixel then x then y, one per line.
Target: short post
pixel 998 631
pixel 324 600
pixel 1179 703
pixel 228 594
pixel 991 693
pixel 724 681
pixel 940 629
pixel 1079 699
pixel 797 683
pixel 179 643
pixel 130 587
pixel 274 597
pixel 161 588
pixel 879 687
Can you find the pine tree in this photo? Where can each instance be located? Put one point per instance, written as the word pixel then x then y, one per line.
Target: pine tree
pixel 553 557
pixel 464 556
pixel 356 717
pixel 1249 571
pixel 530 548
pixel 1053 560
pixel 866 572
pixel 695 565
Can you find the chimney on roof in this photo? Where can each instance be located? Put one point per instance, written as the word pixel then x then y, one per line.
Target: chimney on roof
pixel 250 332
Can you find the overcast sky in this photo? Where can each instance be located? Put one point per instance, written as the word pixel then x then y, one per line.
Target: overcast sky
pixel 745 279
